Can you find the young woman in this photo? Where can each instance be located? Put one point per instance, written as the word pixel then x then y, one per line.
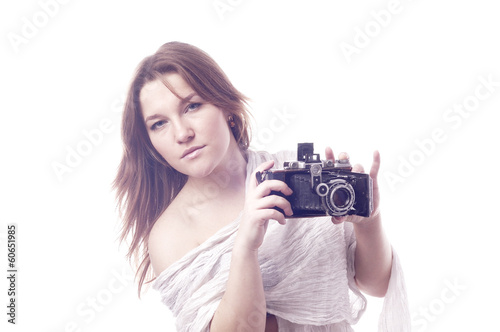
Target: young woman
pixel 207 233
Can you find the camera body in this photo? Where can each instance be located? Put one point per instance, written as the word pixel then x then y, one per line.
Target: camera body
pixel 322 187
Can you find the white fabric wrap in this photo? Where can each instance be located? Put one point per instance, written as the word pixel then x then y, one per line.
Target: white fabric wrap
pixel 308 273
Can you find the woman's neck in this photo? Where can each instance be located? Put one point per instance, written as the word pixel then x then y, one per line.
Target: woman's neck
pixel 224 182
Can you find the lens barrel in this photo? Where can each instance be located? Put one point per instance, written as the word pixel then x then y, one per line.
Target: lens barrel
pixel 340 198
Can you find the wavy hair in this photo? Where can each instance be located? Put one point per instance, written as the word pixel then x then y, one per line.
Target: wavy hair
pixel 145 183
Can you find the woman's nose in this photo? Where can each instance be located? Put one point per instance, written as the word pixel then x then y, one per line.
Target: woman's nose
pixel 183 131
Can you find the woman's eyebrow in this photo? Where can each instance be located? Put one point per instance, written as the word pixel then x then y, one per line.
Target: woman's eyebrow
pixel 183 101
pixel 187 98
pixel 151 117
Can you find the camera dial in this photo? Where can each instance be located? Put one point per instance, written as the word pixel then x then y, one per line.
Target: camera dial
pixel 322 189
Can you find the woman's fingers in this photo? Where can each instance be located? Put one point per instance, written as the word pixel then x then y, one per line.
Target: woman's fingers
pixel 274 201
pixel 266 187
pixel 267 214
pixel 261 168
pixel 375 165
pixel 343 156
pixel 329 154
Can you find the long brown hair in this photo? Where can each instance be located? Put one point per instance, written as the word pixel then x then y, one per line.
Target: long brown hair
pixel 145 184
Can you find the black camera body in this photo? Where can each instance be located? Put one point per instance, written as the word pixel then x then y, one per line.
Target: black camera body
pixel 322 187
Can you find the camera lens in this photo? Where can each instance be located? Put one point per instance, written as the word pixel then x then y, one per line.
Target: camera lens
pixel 340 198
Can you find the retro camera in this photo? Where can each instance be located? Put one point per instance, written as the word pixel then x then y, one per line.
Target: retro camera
pixel 322 187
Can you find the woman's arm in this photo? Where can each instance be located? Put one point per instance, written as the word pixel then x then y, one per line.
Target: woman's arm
pixel 243 305
pixel 373 255
pixel 373 258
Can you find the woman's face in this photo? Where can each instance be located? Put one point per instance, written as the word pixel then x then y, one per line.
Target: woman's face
pixel 190 134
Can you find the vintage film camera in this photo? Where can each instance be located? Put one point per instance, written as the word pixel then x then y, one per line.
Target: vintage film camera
pixel 322 187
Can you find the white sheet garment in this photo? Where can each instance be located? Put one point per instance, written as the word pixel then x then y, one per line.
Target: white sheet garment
pixel 308 273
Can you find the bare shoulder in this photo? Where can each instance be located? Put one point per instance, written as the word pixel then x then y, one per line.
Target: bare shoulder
pixel 182 228
pixel 168 241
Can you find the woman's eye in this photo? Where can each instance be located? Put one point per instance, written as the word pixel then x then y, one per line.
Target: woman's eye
pixel 193 107
pixel 158 124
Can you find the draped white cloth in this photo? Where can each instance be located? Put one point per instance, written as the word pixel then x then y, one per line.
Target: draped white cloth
pixel 308 272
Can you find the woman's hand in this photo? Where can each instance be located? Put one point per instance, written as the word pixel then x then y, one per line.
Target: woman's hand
pixel 259 208
pixel 376 195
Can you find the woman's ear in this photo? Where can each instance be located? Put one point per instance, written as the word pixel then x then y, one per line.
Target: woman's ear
pixel 230 121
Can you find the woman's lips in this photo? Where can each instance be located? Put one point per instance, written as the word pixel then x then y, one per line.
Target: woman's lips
pixel 192 152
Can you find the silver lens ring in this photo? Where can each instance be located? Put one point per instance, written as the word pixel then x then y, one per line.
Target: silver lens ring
pixel 340 198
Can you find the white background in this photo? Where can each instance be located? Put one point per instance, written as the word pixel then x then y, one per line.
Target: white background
pixel 69 74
